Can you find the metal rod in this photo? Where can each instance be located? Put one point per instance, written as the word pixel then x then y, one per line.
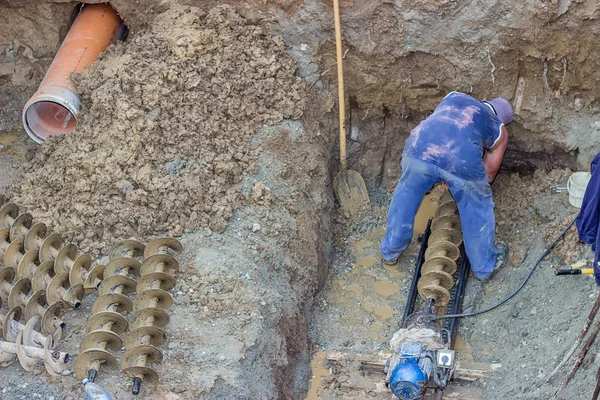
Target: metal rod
pixel 429 305
pixel 460 292
pixel 412 295
pixel 92 374
pixel 137 385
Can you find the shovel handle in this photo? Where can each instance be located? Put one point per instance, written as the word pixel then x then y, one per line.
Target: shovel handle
pixel 340 71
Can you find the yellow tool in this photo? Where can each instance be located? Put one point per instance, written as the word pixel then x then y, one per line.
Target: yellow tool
pixel 586 271
pixel 348 185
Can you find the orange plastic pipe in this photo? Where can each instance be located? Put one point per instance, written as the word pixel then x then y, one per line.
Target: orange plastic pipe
pixel 53 109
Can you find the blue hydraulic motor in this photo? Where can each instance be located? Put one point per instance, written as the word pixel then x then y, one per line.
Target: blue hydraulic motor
pixel 421 358
pixel 409 377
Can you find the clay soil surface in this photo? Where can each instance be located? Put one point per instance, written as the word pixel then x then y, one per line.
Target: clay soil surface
pixel 205 126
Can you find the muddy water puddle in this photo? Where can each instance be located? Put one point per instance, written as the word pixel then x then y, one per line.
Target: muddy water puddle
pixel 14 146
pixel 426 211
pixel 319 369
pixel 359 307
pixel 12 138
pixel 8 139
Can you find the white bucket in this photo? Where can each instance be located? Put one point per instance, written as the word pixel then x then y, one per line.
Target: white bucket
pixel 576 185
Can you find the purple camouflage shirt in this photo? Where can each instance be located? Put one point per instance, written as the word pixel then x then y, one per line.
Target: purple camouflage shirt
pixel 456 135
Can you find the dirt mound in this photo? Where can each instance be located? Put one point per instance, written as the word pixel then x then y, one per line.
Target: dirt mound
pixel 163 138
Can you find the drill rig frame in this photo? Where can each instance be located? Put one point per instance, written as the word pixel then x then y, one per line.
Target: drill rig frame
pixel 423 357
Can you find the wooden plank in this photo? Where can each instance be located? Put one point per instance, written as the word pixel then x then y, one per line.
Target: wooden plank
pixel 478 366
pixel 466 371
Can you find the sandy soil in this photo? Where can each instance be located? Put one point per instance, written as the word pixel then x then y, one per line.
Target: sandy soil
pixel 402 57
pixel 15 150
pixel 258 217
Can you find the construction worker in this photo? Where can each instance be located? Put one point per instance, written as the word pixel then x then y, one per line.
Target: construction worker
pixel 462 144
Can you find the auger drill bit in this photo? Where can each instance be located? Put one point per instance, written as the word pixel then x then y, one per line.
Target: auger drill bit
pixel 448 221
pixel 446 208
pixel 51 247
pixel 27 337
pixel 445 196
pixel 7 276
pixel 162 246
pixel 449 249
pixel 32 336
pixel 107 321
pixel 20 226
pixel 127 249
pixel 28 356
pixel 78 266
pixel 34 239
pixel 9 213
pixel 443 251
pixel 19 295
pixel 60 288
pixel 4 242
pixel 29 346
pixel 35 304
pixel 29 242
pixel 82 273
pixel 57 287
pixel 14 257
pixel 152 300
pixel 25 264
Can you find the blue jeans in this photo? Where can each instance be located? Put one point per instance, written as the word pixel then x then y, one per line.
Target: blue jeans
pixel 475 206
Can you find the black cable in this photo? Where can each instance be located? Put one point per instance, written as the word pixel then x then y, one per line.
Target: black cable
pixel 544 254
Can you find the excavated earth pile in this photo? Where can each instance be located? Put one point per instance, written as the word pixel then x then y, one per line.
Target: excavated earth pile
pixel 164 130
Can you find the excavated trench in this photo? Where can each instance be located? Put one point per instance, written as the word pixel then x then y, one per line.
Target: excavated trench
pixel 255 262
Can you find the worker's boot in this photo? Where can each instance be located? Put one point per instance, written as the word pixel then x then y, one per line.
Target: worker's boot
pixel 501 258
pixel 501 255
pixel 390 263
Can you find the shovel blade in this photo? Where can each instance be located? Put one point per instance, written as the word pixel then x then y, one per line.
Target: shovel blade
pixel 351 192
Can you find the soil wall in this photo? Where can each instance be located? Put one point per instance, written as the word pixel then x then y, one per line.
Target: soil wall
pixel 401 58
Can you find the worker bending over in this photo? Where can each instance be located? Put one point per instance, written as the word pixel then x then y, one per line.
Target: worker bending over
pixel 462 143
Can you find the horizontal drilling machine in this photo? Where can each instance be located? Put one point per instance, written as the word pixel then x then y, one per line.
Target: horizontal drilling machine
pixel 423 357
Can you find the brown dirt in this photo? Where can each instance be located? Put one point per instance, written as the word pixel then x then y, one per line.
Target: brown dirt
pixel 404 57
pixel 401 59
pixel 161 144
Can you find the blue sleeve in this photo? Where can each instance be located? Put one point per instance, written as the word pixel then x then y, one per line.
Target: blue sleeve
pixel 589 216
